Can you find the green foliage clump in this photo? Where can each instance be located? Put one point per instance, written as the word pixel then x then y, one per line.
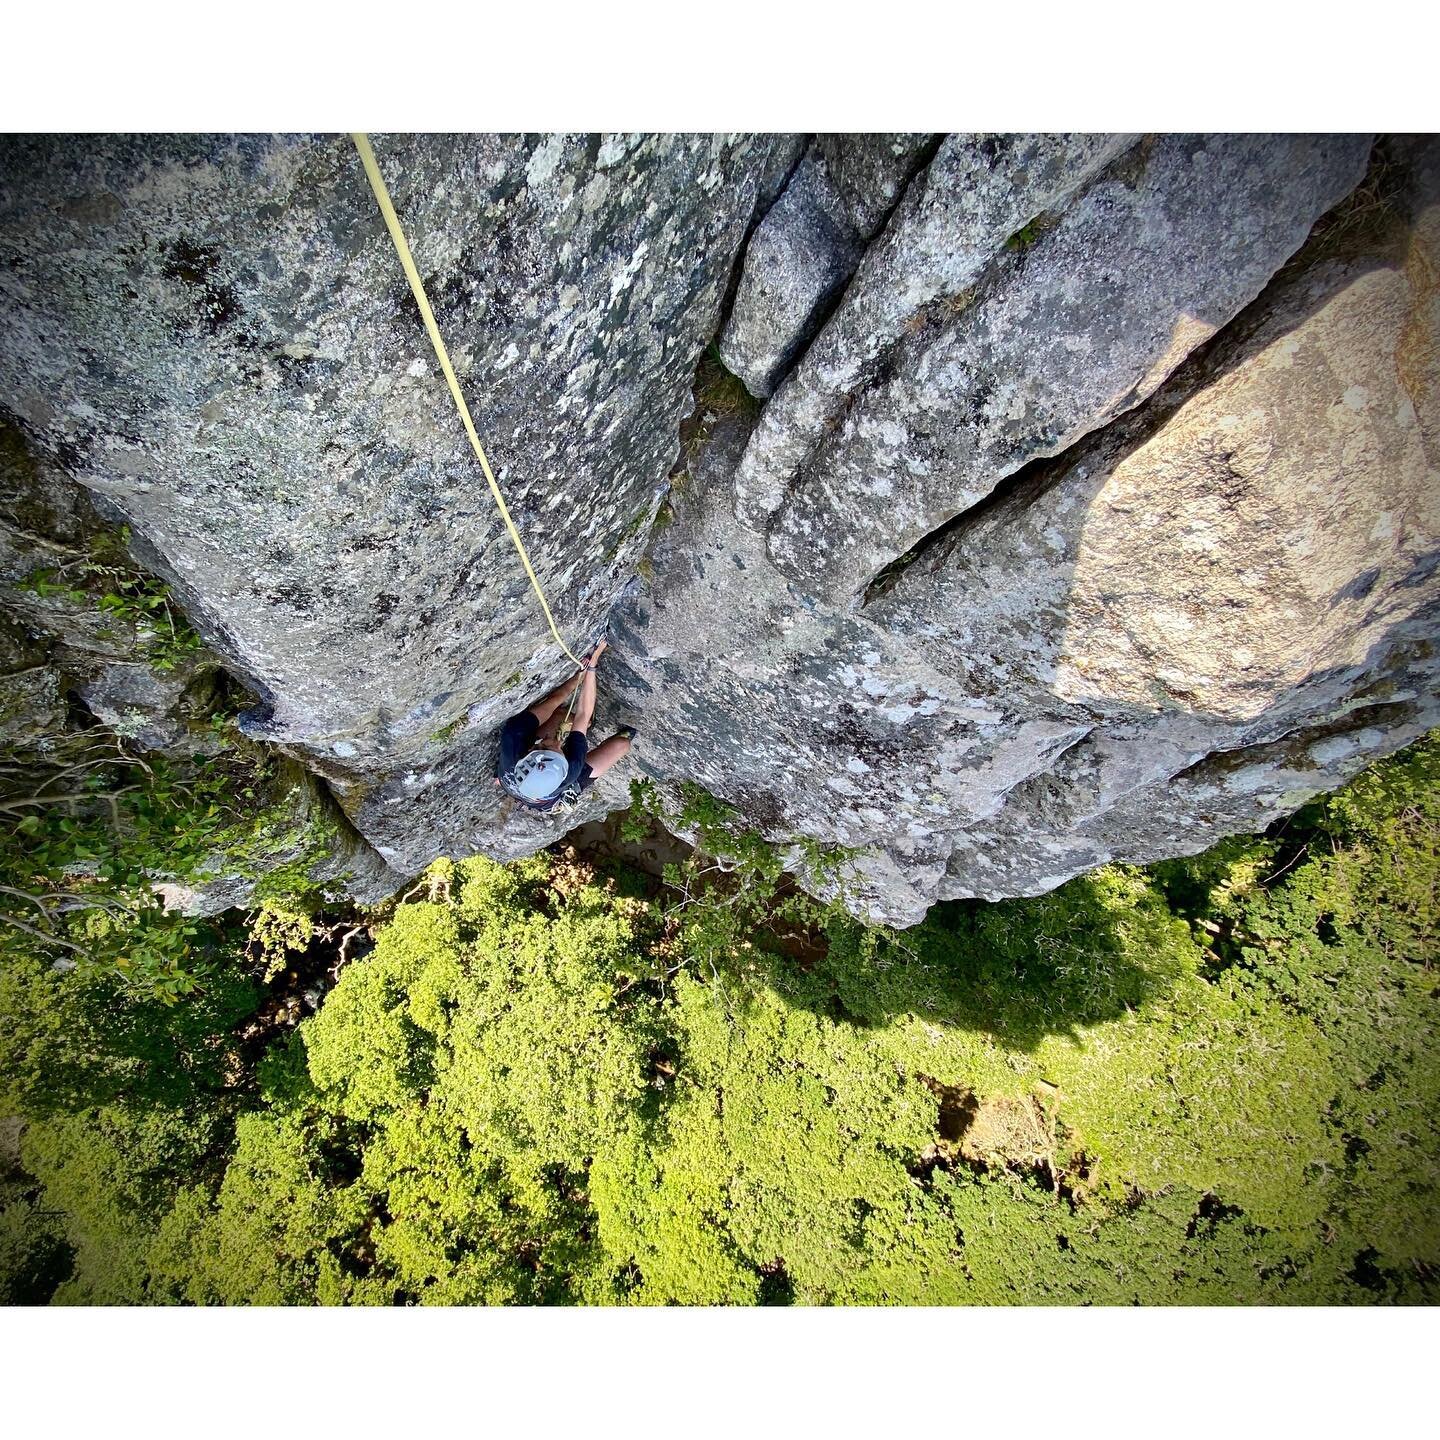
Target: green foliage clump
pixel 110 1171
pixel 446 733
pixel 1210 1083
pixel 117 1098
pixel 718 391
pixel 733 892
pixel 435 1145
pixel 140 605
pixel 94 828
pixel 280 927
pixel 83 1038
pixel 35 1257
pixel 1030 233
pixel 1344 943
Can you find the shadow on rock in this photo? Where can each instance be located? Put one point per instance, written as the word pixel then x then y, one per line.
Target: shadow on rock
pixel 1019 971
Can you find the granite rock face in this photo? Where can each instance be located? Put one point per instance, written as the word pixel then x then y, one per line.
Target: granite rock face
pixel 1098 520
pixel 869 172
pixel 976 192
pixel 213 335
pixel 143 705
pixel 1078 317
pixel 808 245
pixel 1183 628
pixel 62 655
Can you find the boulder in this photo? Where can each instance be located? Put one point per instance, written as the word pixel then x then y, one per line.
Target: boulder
pixel 32 706
pixel 1234 605
pixel 300 831
pixel 153 709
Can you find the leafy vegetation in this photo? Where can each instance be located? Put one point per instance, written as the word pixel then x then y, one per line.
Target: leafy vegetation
pixel 1214 1081
pixel 140 605
pixel 92 826
pixel 733 892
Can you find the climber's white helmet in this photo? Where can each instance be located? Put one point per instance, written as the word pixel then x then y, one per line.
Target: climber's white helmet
pixel 539 774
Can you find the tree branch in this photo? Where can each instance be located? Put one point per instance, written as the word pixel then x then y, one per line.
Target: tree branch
pixel 40 934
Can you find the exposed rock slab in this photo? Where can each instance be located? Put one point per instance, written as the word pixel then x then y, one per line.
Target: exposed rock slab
pixel 1266 624
pixel 1189 620
pixel 808 245
pixel 1080 317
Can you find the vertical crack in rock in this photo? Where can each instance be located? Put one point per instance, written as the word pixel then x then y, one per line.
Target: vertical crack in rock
pixel 787 153
pixel 796 264
pixel 1079 321
pixel 976 193
pixel 1127 625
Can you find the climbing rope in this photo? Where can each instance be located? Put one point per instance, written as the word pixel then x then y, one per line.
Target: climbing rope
pixel 417 287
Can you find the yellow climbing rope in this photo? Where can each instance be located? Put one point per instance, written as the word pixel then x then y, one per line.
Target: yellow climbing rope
pixel 417 286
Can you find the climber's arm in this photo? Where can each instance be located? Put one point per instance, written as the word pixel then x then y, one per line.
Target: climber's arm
pixel 545 707
pixel 585 707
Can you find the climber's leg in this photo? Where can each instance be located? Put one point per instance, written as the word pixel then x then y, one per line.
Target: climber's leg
pixel 608 753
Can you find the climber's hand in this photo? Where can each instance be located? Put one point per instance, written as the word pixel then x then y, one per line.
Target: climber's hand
pixel 593 658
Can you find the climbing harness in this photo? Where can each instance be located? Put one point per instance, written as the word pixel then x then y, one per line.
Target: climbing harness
pixel 417 287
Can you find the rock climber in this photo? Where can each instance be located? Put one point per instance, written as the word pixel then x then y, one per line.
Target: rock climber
pixel 539 768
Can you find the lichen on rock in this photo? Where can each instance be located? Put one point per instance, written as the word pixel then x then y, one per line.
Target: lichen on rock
pixel 808 246
pixel 1096 520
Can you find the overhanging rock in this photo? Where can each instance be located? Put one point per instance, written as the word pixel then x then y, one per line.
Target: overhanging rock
pixel 1156 560
pixel 213 335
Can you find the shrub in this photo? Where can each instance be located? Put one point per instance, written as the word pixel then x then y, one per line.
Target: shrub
pixel 1213 1082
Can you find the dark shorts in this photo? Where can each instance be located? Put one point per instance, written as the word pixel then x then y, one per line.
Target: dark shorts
pixel 517 735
